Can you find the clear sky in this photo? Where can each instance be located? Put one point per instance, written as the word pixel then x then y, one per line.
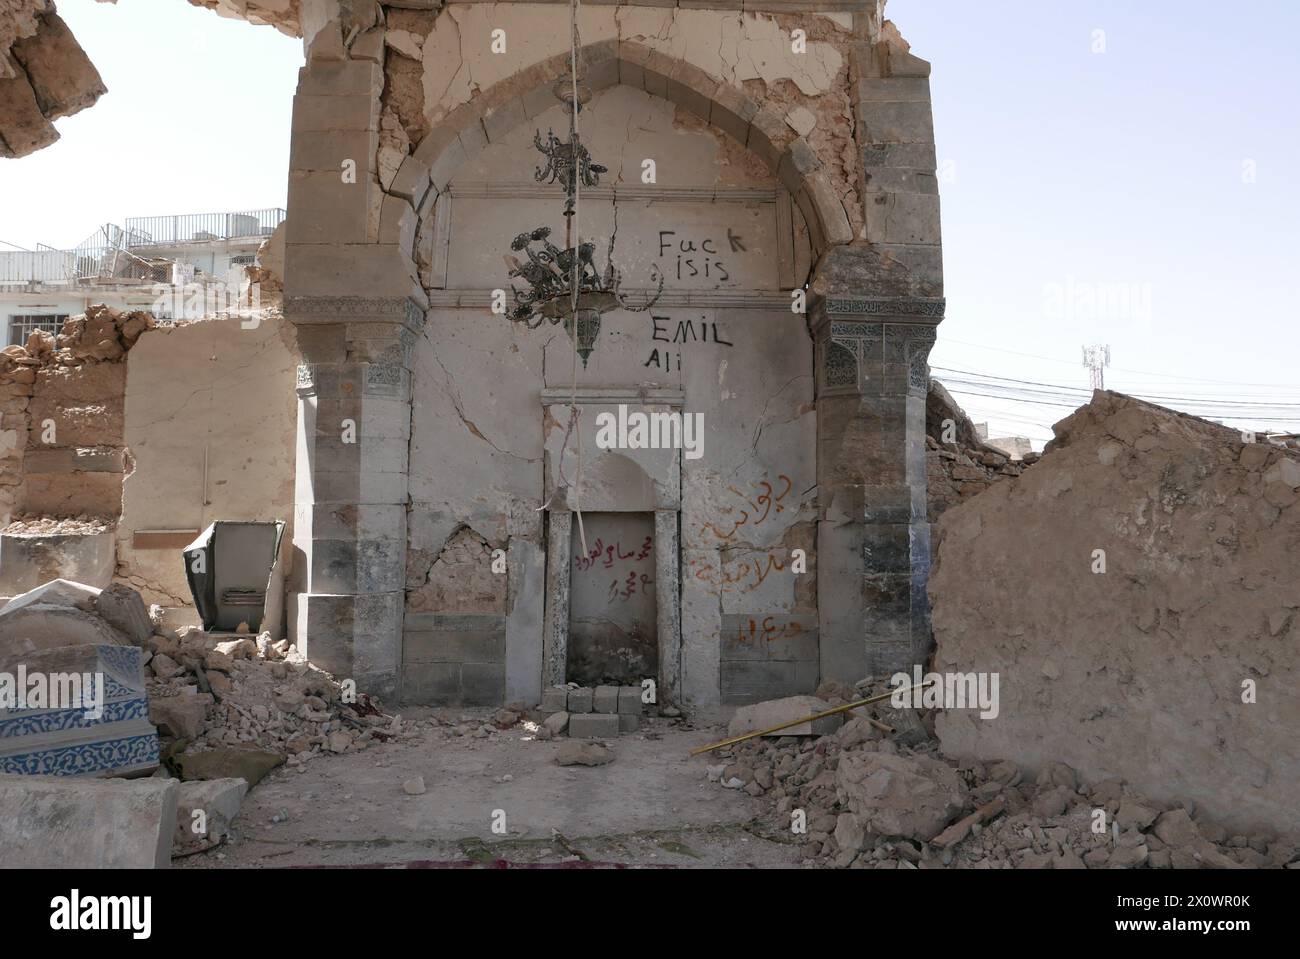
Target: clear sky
pixel 1118 172
pixel 1138 187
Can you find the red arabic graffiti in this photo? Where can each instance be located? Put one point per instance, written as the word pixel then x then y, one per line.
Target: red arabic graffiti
pixel 768 630
pixel 763 506
pixel 611 554
pixel 629 587
pixel 745 576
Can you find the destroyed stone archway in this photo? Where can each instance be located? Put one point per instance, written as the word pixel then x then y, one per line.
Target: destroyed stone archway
pixel 359 288
pixel 512 102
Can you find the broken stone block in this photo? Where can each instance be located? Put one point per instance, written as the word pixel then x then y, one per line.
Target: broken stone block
pixel 910 796
pixel 629 700
pixel 99 724
pixel 180 716
pixel 1176 829
pixel 580 700
pixel 122 608
pixel 216 659
pixel 556 723
pixel 593 725
pixel 164 667
pixel 555 699
pixel 57 592
pixel 237 648
pixel 53 822
pixel 251 765
pixel 773 712
pixel 217 801
pixel 604 699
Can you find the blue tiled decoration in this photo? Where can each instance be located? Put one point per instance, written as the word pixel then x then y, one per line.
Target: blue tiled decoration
pixel 66 741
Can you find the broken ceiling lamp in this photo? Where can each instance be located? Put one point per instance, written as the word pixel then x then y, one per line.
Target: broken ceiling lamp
pixel 565 285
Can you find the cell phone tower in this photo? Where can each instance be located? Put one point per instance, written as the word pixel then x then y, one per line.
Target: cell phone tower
pixel 1097 358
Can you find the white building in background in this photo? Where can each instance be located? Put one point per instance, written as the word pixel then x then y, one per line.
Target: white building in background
pixel 122 266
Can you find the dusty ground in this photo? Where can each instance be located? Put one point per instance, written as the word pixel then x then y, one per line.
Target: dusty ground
pixel 652 806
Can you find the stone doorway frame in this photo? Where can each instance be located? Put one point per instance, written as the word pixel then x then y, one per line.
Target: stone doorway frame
pixel 667 554
pixel 559 590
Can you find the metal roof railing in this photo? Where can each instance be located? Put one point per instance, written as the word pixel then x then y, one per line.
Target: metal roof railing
pixel 199 227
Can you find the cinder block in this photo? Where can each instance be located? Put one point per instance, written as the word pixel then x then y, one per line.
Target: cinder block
pixel 580 701
pixel 593 725
pixel 628 722
pixel 629 700
pixel 605 699
pixel 555 699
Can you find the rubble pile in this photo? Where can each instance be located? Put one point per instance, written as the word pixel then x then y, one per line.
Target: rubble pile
pixel 31 525
pixel 216 691
pixel 865 798
pixel 1135 591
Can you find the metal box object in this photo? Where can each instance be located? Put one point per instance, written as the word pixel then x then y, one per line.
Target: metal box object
pixel 235 577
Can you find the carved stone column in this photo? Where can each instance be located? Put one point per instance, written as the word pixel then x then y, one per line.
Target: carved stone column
pixel 873 537
pixel 354 426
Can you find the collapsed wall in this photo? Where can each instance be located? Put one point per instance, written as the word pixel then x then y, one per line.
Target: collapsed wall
pixel 1136 592
pixel 958 464
pixel 61 439
pixel 117 448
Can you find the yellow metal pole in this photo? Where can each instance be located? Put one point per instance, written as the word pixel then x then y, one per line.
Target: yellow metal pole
pixel 795 722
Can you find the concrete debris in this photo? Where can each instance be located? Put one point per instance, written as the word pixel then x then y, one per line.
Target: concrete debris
pixel 867 802
pixel 181 717
pixel 1165 605
pixel 909 796
pixel 599 713
pixel 250 765
pixel 204 813
pixel 25 525
pixel 773 712
pixel 593 725
pixel 52 822
pixel 414 787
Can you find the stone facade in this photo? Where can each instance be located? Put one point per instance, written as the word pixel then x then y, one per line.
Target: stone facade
pixel 447 460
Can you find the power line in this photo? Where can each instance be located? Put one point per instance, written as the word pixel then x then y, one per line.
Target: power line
pixel 1076 390
pixel 1233 414
pixel 1117 369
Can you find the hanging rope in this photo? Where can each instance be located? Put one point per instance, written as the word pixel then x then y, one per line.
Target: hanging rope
pixel 573 241
pixel 577 229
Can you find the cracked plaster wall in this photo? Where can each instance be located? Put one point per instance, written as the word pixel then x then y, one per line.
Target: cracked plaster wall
pixel 486 453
